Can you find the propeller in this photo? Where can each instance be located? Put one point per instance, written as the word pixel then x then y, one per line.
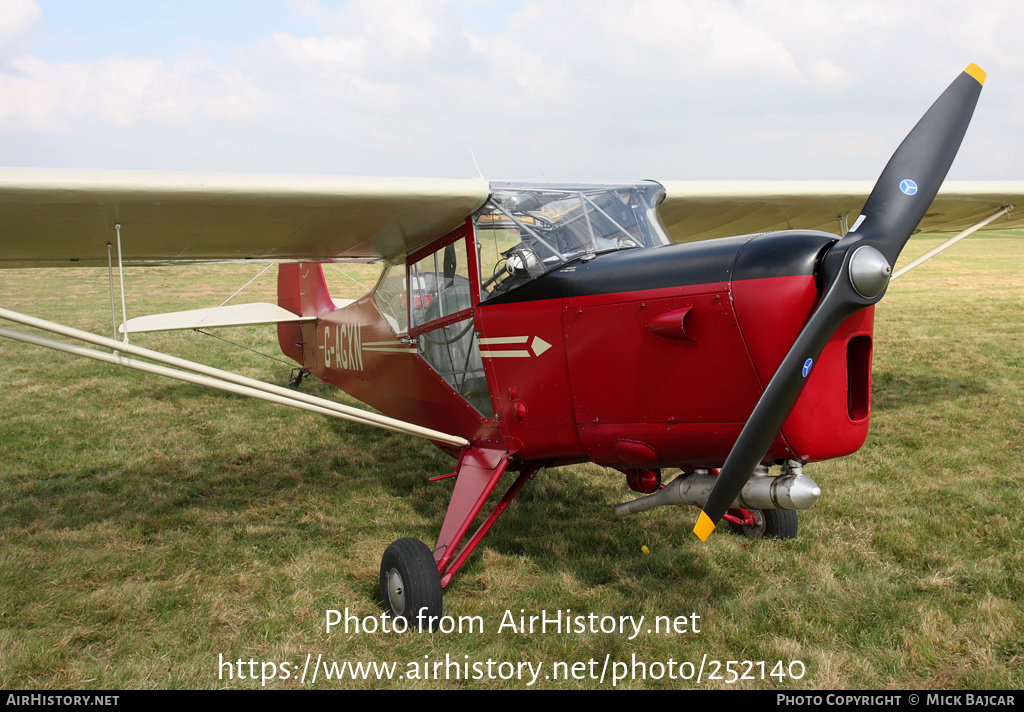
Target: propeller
pixel 855 274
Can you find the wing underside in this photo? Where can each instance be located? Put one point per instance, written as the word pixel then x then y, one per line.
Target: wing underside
pixel 49 218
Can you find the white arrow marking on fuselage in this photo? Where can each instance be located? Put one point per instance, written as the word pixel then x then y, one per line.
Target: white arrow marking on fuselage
pixel 498 340
pixel 538 345
pixel 389 347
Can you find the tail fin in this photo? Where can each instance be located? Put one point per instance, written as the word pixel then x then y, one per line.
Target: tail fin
pixel 302 290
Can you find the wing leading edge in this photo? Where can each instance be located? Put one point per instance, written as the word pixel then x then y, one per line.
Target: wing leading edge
pixel 699 210
pixel 53 217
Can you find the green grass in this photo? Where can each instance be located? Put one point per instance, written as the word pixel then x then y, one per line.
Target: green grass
pixel 147 527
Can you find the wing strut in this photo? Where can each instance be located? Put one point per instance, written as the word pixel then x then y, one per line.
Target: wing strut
pixel 950 242
pixel 120 272
pixel 207 376
pixel 110 278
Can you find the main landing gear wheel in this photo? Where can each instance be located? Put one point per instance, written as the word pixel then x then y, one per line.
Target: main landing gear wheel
pixel 769 524
pixel 410 585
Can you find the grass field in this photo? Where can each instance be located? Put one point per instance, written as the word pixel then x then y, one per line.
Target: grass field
pixel 150 530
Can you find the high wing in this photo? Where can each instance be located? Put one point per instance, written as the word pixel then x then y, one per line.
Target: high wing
pixel 698 210
pixel 52 217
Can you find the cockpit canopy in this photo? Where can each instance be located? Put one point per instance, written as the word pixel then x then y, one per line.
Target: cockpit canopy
pixel 525 230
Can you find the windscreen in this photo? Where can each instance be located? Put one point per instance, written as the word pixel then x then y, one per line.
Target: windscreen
pixel 524 231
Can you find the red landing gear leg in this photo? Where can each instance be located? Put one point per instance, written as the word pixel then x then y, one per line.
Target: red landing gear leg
pixel 478 472
pixel 411 580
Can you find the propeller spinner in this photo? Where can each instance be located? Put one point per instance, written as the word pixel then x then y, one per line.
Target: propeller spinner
pixel 855 274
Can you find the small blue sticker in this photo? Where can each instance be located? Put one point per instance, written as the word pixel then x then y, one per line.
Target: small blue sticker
pixel 807 366
pixel 908 186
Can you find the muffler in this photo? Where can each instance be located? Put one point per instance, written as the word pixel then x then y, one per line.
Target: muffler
pixel 790 490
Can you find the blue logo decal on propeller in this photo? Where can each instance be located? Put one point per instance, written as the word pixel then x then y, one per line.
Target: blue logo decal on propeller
pixel 908 186
pixel 807 366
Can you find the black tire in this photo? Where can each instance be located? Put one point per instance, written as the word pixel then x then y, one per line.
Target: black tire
pixel 410 585
pixel 770 524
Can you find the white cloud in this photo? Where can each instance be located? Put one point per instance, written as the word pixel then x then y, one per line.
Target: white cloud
pixel 17 19
pixel 600 88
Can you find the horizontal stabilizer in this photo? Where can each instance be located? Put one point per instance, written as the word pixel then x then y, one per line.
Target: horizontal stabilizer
pixel 233 315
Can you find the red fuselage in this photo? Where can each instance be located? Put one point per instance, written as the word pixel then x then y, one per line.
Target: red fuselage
pixel 630 359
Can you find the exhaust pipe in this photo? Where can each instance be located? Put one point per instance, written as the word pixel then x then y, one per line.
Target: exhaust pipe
pixel 790 490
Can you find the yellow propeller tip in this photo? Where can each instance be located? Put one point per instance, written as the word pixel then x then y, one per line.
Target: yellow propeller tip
pixel 977 72
pixel 704 527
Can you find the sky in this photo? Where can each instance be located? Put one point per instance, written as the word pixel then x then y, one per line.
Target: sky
pixel 552 89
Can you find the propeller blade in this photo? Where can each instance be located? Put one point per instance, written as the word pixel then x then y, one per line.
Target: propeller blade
pixel 914 174
pixel 855 273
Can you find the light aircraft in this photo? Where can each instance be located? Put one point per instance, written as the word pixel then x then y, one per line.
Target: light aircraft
pixel 522 326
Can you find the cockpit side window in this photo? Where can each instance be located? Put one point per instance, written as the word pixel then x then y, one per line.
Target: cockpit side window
pixel 439 284
pixel 390 298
